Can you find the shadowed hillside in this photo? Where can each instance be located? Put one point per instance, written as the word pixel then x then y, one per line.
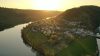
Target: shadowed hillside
pixel 11 17
pixel 71 33
pixel 88 16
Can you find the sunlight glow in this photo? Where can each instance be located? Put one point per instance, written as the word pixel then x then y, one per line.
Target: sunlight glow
pixel 48 18
pixel 59 5
pixel 47 4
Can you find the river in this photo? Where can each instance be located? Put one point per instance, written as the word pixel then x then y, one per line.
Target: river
pixel 11 43
pixel 98 41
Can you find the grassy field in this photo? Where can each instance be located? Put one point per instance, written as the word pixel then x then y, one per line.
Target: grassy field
pixel 80 47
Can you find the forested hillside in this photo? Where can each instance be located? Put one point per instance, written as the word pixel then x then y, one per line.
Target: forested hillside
pixel 10 17
pixel 88 16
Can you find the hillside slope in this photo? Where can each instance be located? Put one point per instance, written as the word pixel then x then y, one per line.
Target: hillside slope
pixel 10 17
pixel 72 33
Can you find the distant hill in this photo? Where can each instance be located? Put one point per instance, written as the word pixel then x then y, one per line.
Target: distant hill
pixel 88 16
pixel 10 17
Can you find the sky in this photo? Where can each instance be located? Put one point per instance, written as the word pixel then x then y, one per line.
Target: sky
pixel 60 5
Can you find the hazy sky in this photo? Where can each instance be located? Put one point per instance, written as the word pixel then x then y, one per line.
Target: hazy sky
pixel 45 4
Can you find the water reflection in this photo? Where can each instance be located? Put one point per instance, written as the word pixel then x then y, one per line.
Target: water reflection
pixel 11 43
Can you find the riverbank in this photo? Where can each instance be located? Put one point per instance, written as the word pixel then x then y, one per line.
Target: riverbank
pixel 11 43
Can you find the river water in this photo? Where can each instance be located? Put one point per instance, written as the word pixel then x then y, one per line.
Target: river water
pixel 11 43
pixel 98 41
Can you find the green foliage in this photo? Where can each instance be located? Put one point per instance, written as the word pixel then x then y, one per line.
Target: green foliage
pixel 80 47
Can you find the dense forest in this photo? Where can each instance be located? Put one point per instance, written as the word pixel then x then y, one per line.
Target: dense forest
pixel 72 33
pixel 10 17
